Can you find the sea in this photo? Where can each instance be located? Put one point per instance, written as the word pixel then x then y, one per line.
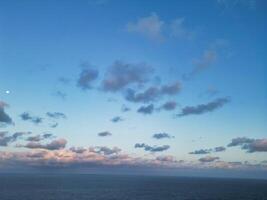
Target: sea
pixel 127 187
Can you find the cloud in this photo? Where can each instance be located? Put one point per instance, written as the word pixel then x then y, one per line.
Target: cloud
pixel 104 134
pixel 121 74
pixel 250 145
pixel 4 117
pixel 54 125
pixel 208 159
pixel 106 150
pixel 178 30
pixel 5 139
pixel 204 108
pixel 207 151
pixel 86 77
pixel 116 119
pixel 34 119
pixel 150 27
pixel 56 115
pixel 240 141
pixel 64 80
pixel 201 151
pixel 162 135
pixel 125 108
pixel 169 105
pixel 146 109
pixel 53 145
pixel 153 93
pixel 38 138
pixel 78 149
pixel 168 158
pixel 152 149
pixel 219 149
pixel 60 94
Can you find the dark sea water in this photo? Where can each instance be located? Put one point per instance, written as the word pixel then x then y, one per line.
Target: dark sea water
pixel 120 187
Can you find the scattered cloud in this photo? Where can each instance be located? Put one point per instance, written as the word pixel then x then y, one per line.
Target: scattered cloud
pixel 106 150
pixel 116 119
pixel 104 134
pixel 87 76
pixel 56 115
pixel 162 136
pixel 204 108
pixel 167 158
pixel 53 145
pixel 208 159
pixel 34 119
pixel 121 74
pixel 250 145
pixel 125 108
pixel 60 94
pixel 6 139
pixel 152 149
pixel 64 80
pixel 169 105
pixel 146 109
pixel 4 117
pixel 178 29
pixel 153 93
pixel 150 27
pixel 38 138
pixel 219 149
pixel 201 151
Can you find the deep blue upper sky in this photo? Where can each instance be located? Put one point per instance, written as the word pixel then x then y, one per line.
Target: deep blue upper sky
pixel 192 74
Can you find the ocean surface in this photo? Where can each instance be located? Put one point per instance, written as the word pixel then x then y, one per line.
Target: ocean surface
pixel 122 187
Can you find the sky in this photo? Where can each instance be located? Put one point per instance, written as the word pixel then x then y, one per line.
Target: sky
pixel 150 87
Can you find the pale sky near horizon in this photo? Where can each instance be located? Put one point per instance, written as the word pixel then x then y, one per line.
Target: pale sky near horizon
pixel 167 83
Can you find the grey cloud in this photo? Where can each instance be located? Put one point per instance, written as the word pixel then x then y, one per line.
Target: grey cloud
pixel 53 145
pixel 64 80
pixel 152 149
pixel 78 149
pixel 116 119
pixel 34 119
pixel 150 26
pixel 162 135
pixel 201 151
pixel 146 109
pixel 106 150
pixel 54 125
pixel 153 93
pixel 208 159
pixel 258 145
pixel 124 108
pixel 56 115
pixel 204 108
pixel 169 105
pixel 166 159
pixel 86 77
pixel 60 94
pixel 240 141
pixel 219 149
pixel 104 134
pixel 6 139
pixel 120 74
pixel 4 117
pixel 38 138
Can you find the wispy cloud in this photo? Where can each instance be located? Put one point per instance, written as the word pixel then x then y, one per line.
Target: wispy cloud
pixel 146 109
pixel 87 76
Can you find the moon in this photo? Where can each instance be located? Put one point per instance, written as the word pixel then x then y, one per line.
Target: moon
pixel 7 91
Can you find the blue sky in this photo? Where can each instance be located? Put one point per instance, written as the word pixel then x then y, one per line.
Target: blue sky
pixel 83 61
